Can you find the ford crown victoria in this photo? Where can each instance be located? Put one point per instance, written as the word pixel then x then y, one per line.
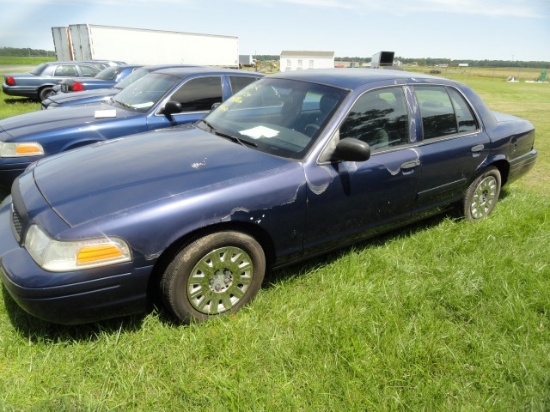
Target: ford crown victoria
pixel 296 164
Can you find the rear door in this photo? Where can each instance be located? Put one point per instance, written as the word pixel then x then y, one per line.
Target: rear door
pixel 453 145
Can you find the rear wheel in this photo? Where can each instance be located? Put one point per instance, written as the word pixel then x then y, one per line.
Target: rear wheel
pixel 216 274
pixel 45 93
pixel 482 195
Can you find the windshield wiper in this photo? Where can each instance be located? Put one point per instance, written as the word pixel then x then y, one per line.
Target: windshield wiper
pixel 235 139
pixel 124 105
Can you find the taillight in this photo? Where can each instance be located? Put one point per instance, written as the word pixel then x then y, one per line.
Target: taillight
pixel 10 81
pixel 78 87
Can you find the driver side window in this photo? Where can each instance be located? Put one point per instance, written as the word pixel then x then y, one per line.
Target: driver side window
pixel 379 118
pixel 199 94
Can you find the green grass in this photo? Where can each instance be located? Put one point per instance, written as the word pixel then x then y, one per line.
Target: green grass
pixel 24 60
pixel 445 315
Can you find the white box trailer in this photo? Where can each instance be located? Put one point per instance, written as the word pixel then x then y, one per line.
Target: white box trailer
pixel 145 46
pixel 62 43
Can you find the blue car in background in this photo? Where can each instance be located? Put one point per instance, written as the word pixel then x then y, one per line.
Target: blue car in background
pixel 38 84
pixel 103 94
pixel 105 79
pixel 297 164
pixel 160 99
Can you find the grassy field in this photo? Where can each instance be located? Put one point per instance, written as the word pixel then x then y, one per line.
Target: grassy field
pixel 442 316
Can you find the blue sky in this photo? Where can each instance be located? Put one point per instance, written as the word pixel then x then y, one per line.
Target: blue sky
pixel 454 29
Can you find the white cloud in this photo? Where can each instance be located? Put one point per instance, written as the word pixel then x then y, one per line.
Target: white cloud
pixel 489 8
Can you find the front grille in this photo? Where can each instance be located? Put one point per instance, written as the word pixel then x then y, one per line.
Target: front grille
pixel 17 223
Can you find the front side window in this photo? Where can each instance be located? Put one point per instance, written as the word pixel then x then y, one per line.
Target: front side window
pixel 379 118
pixel 199 94
pixel 89 71
pixel 66 70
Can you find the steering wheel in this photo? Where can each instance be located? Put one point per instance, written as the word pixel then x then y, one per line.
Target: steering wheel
pixel 311 128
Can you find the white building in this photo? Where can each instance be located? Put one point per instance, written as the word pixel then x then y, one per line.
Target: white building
pixel 304 60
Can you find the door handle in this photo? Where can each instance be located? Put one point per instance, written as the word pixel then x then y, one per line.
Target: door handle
pixel 478 148
pixel 411 164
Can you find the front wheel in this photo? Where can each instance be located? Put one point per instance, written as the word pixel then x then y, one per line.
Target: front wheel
pixel 216 274
pixel 482 195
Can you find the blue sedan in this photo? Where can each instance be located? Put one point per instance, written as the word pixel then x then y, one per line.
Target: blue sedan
pixel 159 99
pixel 38 84
pixel 296 164
pixel 105 79
pixel 103 94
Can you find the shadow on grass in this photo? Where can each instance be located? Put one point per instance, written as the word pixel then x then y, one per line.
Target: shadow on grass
pixel 37 330
pixel 20 100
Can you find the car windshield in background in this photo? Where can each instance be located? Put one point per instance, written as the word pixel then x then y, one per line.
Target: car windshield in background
pixel 132 77
pixel 145 92
pixel 108 74
pixel 279 117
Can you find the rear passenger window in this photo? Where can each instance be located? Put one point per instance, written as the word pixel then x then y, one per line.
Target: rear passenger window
pixel 240 82
pixel 379 118
pixel 199 94
pixel 444 112
pixel 464 116
pixel 438 116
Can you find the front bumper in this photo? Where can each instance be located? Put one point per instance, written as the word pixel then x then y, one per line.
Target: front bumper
pixel 10 168
pixel 71 297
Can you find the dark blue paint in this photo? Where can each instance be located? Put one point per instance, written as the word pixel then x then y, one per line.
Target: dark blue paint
pixel 158 188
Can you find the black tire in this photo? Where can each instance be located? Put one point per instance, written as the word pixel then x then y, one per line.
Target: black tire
pixel 215 274
pixel 482 195
pixel 45 93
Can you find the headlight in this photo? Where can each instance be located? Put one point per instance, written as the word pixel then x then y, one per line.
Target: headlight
pixel 21 149
pixel 57 256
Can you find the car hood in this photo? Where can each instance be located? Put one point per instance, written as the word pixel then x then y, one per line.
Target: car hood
pixel 115 176
pixel 42 121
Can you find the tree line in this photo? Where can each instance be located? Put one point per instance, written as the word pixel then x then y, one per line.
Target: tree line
pixel 25 52
pixel 437 62
pixel 28 52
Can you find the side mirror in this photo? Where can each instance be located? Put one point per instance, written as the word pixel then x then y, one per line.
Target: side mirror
pixel 215 105
pixel 351 150
pixel 172 107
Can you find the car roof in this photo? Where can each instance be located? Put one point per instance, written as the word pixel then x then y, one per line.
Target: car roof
pixel 191 70
pixel 353 78
pixel 154 67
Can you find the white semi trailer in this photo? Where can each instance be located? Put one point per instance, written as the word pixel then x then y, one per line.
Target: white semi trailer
pixel 62 43
pixel 145 46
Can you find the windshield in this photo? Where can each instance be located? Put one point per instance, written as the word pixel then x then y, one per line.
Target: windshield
pixel 145 92
pixel 280 117
pixel 108 74
pixel 132 77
